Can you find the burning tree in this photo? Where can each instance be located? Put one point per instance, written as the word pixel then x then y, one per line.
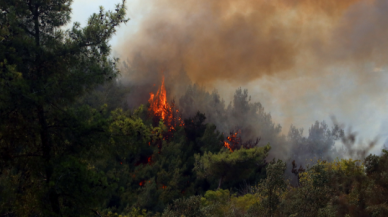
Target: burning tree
pixel 161 168
pixel 234 141
pixel 161 109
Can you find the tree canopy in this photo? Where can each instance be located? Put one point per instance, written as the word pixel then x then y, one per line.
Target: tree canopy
pixel 44 70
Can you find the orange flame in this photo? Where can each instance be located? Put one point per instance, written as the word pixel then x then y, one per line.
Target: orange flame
pixel 226 144
pixel 158 102
pixel 159 107
pixel 233 141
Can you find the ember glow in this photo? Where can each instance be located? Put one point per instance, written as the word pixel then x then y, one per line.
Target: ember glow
pixel 234 140
pixel 226 144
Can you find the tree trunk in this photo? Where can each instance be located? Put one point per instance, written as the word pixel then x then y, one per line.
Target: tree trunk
pixel 220 182
pixel 46 148
pixel 44 134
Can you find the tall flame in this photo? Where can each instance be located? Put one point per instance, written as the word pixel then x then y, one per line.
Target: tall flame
pixel 159 107
pixel 158 102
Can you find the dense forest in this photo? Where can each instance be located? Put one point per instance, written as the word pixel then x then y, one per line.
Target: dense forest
pixel 71 146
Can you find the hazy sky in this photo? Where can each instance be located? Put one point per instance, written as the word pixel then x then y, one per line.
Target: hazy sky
pixel 344 73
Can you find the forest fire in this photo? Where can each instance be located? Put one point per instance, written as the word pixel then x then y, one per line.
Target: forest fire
pixel 158 102
pixel 226 144
pixel 234 140
pixel 160 108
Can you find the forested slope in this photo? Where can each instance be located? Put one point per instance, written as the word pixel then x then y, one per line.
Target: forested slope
pixel 70 146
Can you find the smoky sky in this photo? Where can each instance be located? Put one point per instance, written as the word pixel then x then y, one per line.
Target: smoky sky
pixel 243 40
pixel 293 55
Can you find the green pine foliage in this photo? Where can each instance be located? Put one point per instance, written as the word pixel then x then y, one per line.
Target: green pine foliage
pixel 225 165
pixel 46 142
pixel 331 189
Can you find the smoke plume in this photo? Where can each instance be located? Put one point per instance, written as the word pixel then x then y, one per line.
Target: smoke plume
pixel 239 41
pixel 292 53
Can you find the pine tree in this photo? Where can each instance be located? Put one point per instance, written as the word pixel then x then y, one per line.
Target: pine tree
pixel 44 141
pixel 238 165
pixel 272 187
